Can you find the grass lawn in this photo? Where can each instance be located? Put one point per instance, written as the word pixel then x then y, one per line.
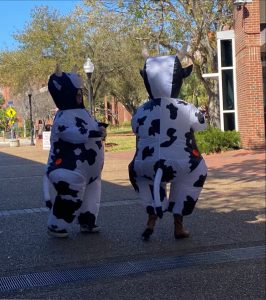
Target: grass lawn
pixel 120 139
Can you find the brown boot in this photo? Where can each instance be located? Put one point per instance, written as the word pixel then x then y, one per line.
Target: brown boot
pixel 150 226
pixel 180 232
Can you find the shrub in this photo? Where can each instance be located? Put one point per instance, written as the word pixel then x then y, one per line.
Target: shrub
pixel 214 140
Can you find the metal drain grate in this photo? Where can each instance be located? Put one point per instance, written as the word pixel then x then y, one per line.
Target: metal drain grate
pixel 131 267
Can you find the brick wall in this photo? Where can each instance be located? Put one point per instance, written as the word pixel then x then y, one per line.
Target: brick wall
pixel 6 93
pixel 117 112
pixel 249 76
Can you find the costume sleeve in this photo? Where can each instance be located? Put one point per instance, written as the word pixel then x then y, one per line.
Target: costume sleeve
pixel 197 119
pixel 138 119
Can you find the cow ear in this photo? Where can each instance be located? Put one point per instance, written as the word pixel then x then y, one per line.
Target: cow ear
pixel 58 71
pixel 141 72
pixel 187 71
pixel 145 52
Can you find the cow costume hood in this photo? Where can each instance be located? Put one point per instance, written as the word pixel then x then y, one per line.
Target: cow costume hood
pixel 163 76
pixel 64 88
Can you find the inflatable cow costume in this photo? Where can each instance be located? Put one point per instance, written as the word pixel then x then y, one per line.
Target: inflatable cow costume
pixel 75 160
pixel 166 150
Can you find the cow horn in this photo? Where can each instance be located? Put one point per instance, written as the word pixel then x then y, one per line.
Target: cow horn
pixel 145 52
pixel 58 71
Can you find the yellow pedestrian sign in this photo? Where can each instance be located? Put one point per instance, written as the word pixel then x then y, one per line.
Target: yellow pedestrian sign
pixel 11 112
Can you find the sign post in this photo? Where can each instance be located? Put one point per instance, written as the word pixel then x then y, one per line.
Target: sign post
pixel 11 113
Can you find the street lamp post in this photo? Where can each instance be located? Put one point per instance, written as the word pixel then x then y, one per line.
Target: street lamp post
pixel 88 68
pixel 31 122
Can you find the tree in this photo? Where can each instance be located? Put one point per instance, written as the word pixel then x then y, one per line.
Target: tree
pixel 116 54
pixel 112 34
pixel 2 100
pixel 45 41
pixel 185 27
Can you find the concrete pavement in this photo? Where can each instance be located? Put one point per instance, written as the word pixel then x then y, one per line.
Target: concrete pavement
pixel 224 258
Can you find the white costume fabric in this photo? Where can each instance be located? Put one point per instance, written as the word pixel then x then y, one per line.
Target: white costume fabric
pixel 76 156
pixel 166 149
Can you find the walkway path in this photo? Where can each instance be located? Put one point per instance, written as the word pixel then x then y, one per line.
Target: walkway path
pixel 224 258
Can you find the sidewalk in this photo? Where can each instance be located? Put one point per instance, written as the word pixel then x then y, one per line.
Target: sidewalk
pixel 222 259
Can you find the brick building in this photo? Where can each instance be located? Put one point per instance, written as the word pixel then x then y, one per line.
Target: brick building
pixel 241 53
pixel 250 55
pixel 115 112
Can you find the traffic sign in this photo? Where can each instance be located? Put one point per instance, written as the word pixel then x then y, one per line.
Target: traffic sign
pixel 11 112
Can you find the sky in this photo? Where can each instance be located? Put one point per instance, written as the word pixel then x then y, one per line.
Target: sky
pixel 16 13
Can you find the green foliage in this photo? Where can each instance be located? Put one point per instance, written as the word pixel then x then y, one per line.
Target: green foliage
pixel 193 91
pixel 112 34
pixel 3 119
pixel 214 140
pixel 2 100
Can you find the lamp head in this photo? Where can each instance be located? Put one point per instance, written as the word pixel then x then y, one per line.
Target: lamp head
pixel 239 3
pixel 29 92
pixel 88 66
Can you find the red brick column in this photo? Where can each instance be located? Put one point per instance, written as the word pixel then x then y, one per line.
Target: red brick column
pixel 249 76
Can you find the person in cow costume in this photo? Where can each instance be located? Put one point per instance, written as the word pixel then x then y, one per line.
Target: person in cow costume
pixel 75 160
pixel 166 151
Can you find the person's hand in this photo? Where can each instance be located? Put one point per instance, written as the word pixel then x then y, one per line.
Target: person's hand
pixel 103 132
pixel 102 128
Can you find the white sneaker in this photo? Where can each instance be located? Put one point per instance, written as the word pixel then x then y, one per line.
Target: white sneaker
pixel 57 233
pixel 89 229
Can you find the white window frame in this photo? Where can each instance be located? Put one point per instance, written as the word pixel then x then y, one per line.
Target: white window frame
pixel 227 35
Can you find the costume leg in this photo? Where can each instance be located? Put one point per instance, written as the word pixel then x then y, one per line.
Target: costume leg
pixel 142 187
pixel 185 191
pixel 91 203
pixel 146 195
pixel 70 187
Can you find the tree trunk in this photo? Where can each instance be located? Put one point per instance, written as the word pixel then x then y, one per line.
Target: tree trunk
pixel 214 105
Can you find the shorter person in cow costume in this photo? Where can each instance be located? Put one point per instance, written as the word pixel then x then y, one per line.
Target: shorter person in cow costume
pixel 75 160
pixel 166 151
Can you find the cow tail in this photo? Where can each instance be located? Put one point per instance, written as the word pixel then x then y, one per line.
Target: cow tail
pixel 46 192
pixel 156 191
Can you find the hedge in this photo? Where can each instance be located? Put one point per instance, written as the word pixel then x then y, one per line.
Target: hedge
pixel 213 140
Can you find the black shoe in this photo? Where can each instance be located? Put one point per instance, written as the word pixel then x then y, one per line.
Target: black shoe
pixel 146 234
pixel 57 233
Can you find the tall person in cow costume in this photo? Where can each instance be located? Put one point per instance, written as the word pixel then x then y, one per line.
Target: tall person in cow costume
pixel 75 160
pixel 166 151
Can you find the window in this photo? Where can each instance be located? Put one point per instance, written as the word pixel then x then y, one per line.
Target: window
pixel 228 90
pixel 229 121
pixel 226 53
pixel 227 78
